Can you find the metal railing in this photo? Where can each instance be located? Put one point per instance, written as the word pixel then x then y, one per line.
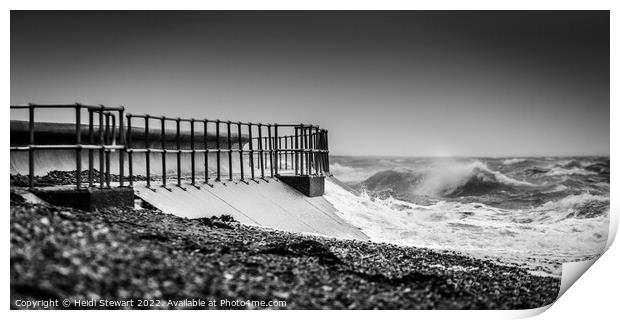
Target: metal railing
pixel 270 149
pixel 105 141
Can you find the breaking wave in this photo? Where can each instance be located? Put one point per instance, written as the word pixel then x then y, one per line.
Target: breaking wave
pixel 571 227
pixel 561 171
pixel 349 174
pixel 445 180
pixel 538 211
pixel 508 162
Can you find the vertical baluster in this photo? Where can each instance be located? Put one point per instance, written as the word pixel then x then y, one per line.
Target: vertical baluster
pixel 302 154
pixel 113 130
pixel 121 152
pixel 217 146
pixel 91 141
pixel 310 151
pixel 129 150
pixel 307 153
pixel 178 121
pixel 78 149
pixel 260 153
pixel 112 141
pixel 270 149
pixel 30 149
pixel 240 151
pixel 230 171
pixel 322 139
pixel 326 151
pixel 320 155
pixel 102 149
pixel 251 147
pixel 266 146
pixel 107 151
pixel 148 150
pixel 164 152
pixel 193 154
pixel 295 152
pixel 206 147
pixel 276 140
pixel 314 154
pixel 292 153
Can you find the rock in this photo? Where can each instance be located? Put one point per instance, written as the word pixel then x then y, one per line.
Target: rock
pixel 65 215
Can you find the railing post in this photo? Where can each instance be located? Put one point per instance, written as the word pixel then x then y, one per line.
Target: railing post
pixel 113 143
pixel 280 152
pixel 217 146
pixel 206 147
pixel 102 149
pixel 323 156
pixel 164 151
pixel 296 151
pixel 193 154
pixel 30 149
pixel 251 147
pixel 78 149
pixel 307 147
pixel 240 150
pixel 286 153
pixel 129 151
pixel 107 151
pixel 260 153
pixel 113 128
pixel 91 140
pixel 230 172
pixel 266 146
pixel 311 150
pixel 319 155
pixel 302 152
pixel 315 159
pixel 326 151
pixel 178 121
pixel 148 150
pixel 270 149
pixel 276 147
pixel 121 152
pixel 315 154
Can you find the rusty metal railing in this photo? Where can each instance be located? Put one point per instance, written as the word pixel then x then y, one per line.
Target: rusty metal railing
pixel 264 150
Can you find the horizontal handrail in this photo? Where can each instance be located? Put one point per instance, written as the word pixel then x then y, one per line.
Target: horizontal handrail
pixel 195 120
pixel 67 147
pixel 65 106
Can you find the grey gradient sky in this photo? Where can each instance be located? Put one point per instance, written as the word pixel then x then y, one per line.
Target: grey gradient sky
pixel 382 83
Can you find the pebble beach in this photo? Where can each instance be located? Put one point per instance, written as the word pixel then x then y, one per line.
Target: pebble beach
pixel 120 255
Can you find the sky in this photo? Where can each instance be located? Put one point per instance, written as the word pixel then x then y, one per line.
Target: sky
pixel 383 83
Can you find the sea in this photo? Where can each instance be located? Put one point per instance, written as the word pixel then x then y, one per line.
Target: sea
pixel 535 212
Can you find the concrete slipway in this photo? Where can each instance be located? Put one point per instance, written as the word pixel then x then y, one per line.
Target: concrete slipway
pixel 271 204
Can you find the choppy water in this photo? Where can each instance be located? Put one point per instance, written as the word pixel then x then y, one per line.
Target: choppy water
pixel 534 211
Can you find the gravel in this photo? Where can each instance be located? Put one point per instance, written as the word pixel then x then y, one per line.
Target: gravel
pixel 62 253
